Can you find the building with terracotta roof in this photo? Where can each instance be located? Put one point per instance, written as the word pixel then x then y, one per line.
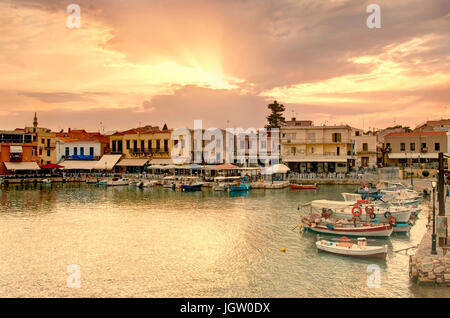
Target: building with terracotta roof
pixel 18 152
pixel 420 147
pixel 434 125
pixel 309 148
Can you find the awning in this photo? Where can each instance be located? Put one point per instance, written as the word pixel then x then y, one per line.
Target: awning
pixel 312 159
pixel 22 166
pixel 162 161
pixel 107 162
pixel 413 155
pixel 278 168
pixel 79 164
pixel 132 162
pixel 15 149
pixel 51 166
pixel 226 166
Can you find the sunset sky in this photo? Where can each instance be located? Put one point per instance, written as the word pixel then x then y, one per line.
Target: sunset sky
pixel 137 62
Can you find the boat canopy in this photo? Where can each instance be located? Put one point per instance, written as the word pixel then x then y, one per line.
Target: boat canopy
pixel 226 178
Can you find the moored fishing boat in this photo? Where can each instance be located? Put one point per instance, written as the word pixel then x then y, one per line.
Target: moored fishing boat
pixel 346 248
pixel 239 187
pixel 46 181
pixel 346 228
pixel 223 183
pixel 303 186
pixel 349 210
pixel 190 184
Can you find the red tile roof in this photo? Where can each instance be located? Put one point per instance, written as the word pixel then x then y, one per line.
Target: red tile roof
pixel 417 134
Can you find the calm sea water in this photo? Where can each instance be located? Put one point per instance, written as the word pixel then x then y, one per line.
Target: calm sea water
pixel 132 242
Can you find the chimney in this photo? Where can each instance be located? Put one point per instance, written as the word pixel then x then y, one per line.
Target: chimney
pixel 69 130
pixel 293 118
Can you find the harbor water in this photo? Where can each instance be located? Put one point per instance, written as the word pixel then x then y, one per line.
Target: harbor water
pixel 130 242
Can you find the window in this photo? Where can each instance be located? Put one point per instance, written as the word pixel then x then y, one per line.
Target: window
pixel 135 144
pixel 158 144
pixel 119 146
pixel 82 151
pixel 91 151
pixel 67 152
pixel 40 151
pixel 128 144
pixel 312 137
pixel 48 153
pixel 293 150
pixel 423 146
pixel 263 144
pixel 365 146
pixel 166 145
pixel 142 145
pixel 402 146
pixel 149 144
pixel 312 150
pixel 336 137
pixel 75 151
pixel 42 141
pixel 114 146
pixel 412 146
pixel 437 146
pixel 388 145
pixel 48 142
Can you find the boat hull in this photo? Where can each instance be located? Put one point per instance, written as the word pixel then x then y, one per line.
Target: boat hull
pixel 367 252
pixel 242 187
pixel 197 187
pixel 303 186
pixel 362 231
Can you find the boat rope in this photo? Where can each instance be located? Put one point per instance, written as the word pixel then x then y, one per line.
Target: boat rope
pixel 406 249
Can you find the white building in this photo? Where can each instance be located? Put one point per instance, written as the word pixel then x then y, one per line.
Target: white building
pixel 80 150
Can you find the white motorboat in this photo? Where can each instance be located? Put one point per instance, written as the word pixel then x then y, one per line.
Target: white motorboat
pixel 349 210
pixel 119 182
pixel 46 181
pixel 346 248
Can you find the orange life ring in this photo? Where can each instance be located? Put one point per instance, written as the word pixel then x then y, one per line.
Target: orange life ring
pixel 353 211
pixel 370 209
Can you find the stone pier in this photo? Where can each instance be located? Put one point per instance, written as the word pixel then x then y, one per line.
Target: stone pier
pixel 424 267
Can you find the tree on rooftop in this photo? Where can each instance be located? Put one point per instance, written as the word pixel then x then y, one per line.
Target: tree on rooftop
pixel 275 119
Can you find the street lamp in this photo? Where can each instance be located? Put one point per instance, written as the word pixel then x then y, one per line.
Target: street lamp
pixel 433 236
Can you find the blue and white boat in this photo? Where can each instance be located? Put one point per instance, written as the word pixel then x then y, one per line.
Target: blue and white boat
pixel 240 187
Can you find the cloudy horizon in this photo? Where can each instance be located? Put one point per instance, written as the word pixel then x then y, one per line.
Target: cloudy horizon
pixel 142 62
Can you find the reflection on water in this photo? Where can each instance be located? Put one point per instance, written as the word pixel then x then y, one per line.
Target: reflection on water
pixel 155 242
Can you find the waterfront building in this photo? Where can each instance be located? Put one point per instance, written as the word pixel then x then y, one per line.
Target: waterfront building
pixel 364 149
pixel 46 147
pixel 416 148
pixel 139 145
pixel 89 148
pixel 18 152
pixel 434 125
pixel 309 148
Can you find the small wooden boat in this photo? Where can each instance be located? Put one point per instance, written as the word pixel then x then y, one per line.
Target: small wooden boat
pixel 303 186
pixel 346 248
pixel 341 227
pixel 240 187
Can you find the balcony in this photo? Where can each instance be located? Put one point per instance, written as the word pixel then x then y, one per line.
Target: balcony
pixel 147 152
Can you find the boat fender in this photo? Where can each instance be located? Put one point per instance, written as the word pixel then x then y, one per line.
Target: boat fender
pixel 354 222
pixel 387 214
pixel 356 208
pixel 373 216
pixel 330 226
pixel 370 209
pixel 392 221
